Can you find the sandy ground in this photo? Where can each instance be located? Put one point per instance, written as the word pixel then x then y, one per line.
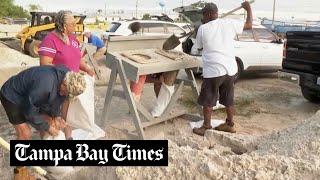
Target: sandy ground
pixel 12 62
pixel 277 137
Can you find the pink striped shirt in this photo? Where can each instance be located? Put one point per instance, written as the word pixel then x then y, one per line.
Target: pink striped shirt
pixel 62 54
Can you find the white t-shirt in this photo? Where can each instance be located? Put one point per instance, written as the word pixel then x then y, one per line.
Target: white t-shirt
pixel 217 40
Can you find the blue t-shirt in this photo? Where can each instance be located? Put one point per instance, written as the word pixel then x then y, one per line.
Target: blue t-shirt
pixel 96 41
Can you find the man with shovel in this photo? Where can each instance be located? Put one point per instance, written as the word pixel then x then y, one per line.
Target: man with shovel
pixel 216 40
pixel 33 97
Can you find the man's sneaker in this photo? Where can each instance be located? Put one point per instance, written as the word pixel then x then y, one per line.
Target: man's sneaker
pixel 226 128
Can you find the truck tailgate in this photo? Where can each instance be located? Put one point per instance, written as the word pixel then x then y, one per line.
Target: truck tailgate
pixel 303 52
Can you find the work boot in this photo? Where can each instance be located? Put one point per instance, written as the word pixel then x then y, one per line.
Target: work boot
pixel 22 173
pixel 201 130
pixel 226 127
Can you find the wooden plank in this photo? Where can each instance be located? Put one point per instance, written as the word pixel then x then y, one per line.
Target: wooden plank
pixel 131 71
pixel 192 117
pixel 121 43
pixel 186 62
pixel 134 70
pixel 191 77
pixel 131 102
pixel 147 115
pixel 109 94
pixel 113 39
pixel 187 82
pixel 119 93
pixel 171 115
pixel 194 87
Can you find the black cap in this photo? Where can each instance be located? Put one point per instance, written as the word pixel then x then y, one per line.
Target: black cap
pixel 210 7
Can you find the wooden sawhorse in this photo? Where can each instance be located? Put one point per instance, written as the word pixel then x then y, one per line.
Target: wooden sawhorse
pixel 130 70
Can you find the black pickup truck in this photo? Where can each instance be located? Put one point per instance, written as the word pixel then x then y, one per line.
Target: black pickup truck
pixel 302 57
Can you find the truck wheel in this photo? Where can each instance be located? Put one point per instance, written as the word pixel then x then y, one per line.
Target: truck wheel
pixel 26 46
pixel 310 94
pixel 33 48
pixel 240 68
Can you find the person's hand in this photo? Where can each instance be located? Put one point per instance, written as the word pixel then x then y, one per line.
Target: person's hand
pixel 246 5
pixel 91 72
pixel 53 131
pixel 59 123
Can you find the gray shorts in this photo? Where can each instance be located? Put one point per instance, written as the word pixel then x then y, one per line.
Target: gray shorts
pixel 217 88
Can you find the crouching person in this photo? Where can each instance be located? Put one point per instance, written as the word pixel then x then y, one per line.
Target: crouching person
pixel 34 96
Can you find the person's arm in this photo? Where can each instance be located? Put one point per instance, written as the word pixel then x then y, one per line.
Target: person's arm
pixel 85 67
pixel 248 24
pixel 38 92
pixel 47 52
pixel 46 60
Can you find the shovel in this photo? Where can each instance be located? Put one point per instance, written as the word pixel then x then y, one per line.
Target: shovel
pixel 234 10
pixel 173 41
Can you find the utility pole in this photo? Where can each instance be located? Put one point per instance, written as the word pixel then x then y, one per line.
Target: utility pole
pixel 137 9
pixel 274 9
pixel 105 9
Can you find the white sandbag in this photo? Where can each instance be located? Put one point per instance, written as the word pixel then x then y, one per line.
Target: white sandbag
pixel 214 123
pixel 163 100
pixel 81 109
pixel 79 134
pixel 60 136
pixel 218 106
pixel 60 170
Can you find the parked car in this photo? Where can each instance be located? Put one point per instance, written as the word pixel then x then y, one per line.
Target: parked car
pixel 152 27
pixel 301 57
pixel 258 49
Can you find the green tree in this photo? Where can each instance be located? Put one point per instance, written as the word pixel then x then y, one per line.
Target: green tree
pixel 146 16
pixel 35 7
pixel 8 9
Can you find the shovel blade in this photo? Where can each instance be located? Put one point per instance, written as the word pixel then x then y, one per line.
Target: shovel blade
pixel 171 43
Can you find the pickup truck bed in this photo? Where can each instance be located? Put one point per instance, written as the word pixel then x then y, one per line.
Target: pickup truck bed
pixel 302 57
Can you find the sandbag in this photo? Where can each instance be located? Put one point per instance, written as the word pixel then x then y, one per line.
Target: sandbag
pixel 81 114
pixel 81 109
pixel 79 134
pixel 163 100
pixel 61 170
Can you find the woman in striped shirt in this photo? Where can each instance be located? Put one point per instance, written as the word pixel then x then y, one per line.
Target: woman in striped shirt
pixel 60 47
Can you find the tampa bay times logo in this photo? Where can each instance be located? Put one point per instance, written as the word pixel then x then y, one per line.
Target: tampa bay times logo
pixel 89 153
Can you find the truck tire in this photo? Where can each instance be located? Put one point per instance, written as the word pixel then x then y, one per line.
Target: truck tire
pixel 240 68
pixel 26 46
pixel 310 94
pixel 32 48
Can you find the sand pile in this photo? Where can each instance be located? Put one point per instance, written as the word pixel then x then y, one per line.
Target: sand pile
pixel 291 154
pixel 12 62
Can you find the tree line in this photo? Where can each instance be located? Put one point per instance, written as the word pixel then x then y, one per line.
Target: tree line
pixel 9 9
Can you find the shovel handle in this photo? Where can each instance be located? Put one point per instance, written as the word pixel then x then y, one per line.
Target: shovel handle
pixel 6 146
pixel 234 10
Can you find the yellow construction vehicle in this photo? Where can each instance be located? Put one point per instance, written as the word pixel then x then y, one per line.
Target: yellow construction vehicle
pixel 41 24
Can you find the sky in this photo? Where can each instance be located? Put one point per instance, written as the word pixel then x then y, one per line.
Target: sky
pixel 290 7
